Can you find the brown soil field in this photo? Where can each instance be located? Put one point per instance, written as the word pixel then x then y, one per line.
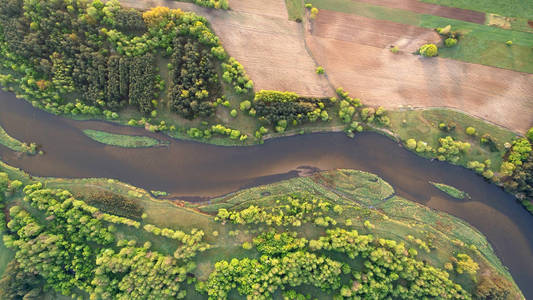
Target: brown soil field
pixel 273 8
pixel 367 69
pixel 366 31
pixel 432 9
pixel 259 35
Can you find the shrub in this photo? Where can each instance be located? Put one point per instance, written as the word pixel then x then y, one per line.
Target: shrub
pixel 470 130
pixel 320 70
pixel 445 30
pixel 464 263
pixel 447 127
pixel 394 49
pixel 529 134
pixel 509 43
pixel 314 12
pixel 450 42
pixel 421 146
pixel 492 286
pixel 411 144
pixel 429 50
pixel 234 73
pixel 245 105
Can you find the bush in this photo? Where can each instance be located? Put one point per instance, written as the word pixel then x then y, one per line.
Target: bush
pixel 411 144
pixel 233 113
pixel 529 134
pixel 234 73
pixel 394 49
pixel 470 131
pixel 314 12
pixel 320 70
pixel 450 42
pixel 245 105
pixel 509 43
pixel 429 50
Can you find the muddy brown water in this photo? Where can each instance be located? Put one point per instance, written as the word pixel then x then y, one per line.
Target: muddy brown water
pixel 192 170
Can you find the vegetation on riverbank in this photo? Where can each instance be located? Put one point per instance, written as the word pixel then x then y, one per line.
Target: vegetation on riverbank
pixel 450 190
pixel 333 228
pixel 198 92
pixel 122 140
pixel 495 153
pixel 16 145
pixel 428 126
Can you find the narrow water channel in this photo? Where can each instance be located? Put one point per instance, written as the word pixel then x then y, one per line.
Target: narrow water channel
pixel 194 170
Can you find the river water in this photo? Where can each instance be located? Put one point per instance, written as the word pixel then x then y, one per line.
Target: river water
pixel 191 170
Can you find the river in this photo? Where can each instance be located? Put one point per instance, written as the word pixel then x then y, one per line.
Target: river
pixel 192 170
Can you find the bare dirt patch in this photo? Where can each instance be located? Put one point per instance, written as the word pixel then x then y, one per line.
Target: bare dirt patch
pixel 432 9
pixel 499 21
pixel 368 70
pixel 259 35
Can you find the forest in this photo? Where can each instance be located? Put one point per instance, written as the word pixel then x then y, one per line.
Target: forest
pixel 68 246
pixel 96 58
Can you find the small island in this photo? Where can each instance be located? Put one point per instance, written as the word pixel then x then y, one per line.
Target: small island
pixel 450 190
pixel 122 140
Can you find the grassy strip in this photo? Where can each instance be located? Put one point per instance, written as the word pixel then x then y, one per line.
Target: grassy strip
pixel 423 125
pixel 121 140
pixel 509 8
pixel 479 44
pixel 295 8
pixel 450 190
pixel 16 145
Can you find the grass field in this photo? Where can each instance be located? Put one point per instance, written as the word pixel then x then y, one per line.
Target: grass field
pixel 121 140
pixel 295 8
pixel 450 190
pixel 509 8
pixel 423 125
pixel 479 44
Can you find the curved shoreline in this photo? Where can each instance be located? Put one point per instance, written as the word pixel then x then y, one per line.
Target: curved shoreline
pixel 191 168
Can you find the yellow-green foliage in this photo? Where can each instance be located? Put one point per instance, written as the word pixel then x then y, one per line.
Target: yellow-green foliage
pixel 218 4
pixel 16 145
pixel 265 239
pixel 428 50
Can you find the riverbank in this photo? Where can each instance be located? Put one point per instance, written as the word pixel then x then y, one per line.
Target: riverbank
pixel 16 145
pixel 356 200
